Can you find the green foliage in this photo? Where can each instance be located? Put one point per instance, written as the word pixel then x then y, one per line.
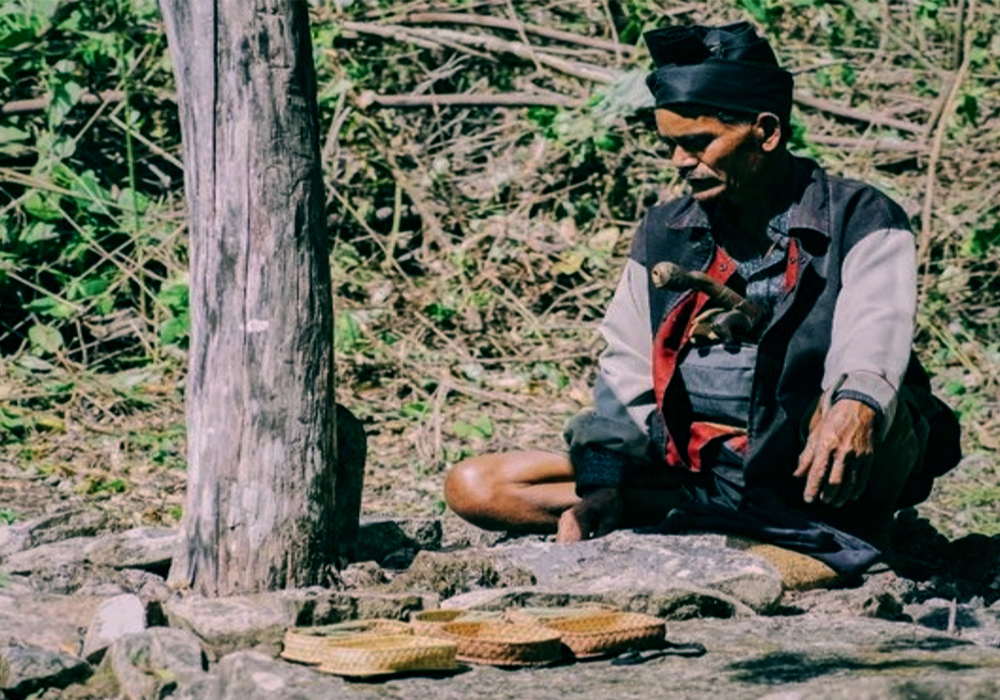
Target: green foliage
pixel 8 516
pixel 86 231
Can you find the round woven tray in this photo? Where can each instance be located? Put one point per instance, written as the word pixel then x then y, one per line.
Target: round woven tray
pixel 368 656
pixel 307 645
pixel 503 644
pixel 606 633
pixel 429 622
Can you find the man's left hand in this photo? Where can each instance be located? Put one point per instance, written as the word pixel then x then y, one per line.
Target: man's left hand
pixel 837 459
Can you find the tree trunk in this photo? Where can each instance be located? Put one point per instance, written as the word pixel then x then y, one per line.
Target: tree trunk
pixel 261 509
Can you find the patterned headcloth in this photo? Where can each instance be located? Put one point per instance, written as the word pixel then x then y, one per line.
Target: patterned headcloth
pixel 727 67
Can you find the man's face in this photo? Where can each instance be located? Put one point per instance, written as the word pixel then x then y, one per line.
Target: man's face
pixel 716 159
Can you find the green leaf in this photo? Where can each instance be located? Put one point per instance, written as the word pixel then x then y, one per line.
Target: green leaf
pixel 45 339
pixel 11 141
pixel 44 206
pixel 51 307
pixel 417 409
pixel 64 99
pixel 39 232
pixel 175 330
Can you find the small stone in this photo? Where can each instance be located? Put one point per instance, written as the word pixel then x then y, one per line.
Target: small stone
pixel 121 615
pixel 150 549
pixel 27 669
pixel 148 665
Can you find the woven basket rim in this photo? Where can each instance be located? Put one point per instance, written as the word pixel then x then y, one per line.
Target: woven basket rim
pixel 372 656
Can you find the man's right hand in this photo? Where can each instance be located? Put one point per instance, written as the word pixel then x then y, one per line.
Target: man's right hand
pixel 597 514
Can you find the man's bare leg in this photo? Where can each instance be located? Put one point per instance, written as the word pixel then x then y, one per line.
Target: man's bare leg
pixel 530 491
pixel 517 491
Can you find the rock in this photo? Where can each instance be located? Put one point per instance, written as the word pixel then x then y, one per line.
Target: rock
pixel 452 573
pixel 400 538
pixel 973 623
pixel 59 559
pixel 50 528
pixel 149 549
pixel 148 665
pixel 244 622
pixel 228 624
pixel 364 574
pixel 121 615
pixel 880 596
pixel 456 533
pixel 53 622
pixel 252 676
pixel 27 669
pixel 670 604
pixel 621 564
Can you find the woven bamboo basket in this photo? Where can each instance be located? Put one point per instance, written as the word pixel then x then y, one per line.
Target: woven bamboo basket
pixel 503 644
pixel 372 655
pixel 307 645
pixel 607 633
pixel 429 622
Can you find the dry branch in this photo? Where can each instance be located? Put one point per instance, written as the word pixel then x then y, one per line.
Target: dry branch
pixel 515 26
pixel 859 115
pixel 509 99
pixel 423 37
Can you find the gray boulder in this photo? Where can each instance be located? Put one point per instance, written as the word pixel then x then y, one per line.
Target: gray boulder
pixel 150 549
pixel 667 603
pixel 621 565
pixel 151 664
pixel 252 676
pixel 53 622
pixel 27 669
pixel 50 528
pixel 121 615
pixel 244 622
pixel 55 560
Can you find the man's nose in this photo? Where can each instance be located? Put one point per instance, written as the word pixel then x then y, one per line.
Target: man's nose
pixel 682 159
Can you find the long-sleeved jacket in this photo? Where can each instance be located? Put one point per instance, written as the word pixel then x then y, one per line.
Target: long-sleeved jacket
pixel 845 326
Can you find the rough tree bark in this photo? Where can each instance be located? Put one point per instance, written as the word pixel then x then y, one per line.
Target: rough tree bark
pixel 261 511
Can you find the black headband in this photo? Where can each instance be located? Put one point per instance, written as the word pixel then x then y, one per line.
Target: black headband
pixel 727 67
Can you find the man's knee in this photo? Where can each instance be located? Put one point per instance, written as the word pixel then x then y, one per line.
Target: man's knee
pixel 468 489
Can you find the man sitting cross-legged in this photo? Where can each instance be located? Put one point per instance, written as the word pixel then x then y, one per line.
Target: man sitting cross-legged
pixel 759 374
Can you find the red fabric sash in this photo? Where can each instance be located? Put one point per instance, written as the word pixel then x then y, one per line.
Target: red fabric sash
pixel 688 441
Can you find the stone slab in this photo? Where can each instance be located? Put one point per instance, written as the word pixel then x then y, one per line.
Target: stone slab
pixel 150 549
pixel 151 664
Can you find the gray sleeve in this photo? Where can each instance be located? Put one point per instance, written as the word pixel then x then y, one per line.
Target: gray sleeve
pixel 602 440
pixel 873 321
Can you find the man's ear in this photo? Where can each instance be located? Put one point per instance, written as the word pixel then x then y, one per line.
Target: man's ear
pixel 767 129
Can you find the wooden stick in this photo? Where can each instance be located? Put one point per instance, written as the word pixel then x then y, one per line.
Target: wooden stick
pixel 38 104
pixel 866 144
pixel 418 36
pixel 507 99
pixel 477 20
pixel 857 114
